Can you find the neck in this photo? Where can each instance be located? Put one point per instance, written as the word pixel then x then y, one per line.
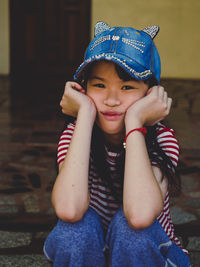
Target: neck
pixel 114 141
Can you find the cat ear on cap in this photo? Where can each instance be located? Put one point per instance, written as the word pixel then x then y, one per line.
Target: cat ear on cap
pixel 152 31
pixel 100 27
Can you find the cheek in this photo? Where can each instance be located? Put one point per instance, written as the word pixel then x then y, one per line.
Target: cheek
pixel 94 96
pixel 90 94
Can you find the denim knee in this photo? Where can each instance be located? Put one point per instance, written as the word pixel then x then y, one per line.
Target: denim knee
pixel 75 241
pixel 147 247
pixel 119 232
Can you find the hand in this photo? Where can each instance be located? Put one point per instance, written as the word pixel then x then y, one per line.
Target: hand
pixel 74 98
pixel 149 110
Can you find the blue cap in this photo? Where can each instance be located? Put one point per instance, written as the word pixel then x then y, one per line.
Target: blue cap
pixel 132 49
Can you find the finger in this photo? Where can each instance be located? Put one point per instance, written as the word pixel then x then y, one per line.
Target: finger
pixel 79 88
pixel 161 92
pixel 76 86
pixel 157 90
pixel 154 89
pixel 169 104
pixel 73 85
pixel 165 98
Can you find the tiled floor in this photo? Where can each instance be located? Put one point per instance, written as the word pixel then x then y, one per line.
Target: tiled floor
pixel 30 124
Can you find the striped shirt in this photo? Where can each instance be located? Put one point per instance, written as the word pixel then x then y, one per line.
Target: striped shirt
pixel 101 198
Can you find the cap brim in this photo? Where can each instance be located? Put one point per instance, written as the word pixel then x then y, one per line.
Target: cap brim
pixel 132 67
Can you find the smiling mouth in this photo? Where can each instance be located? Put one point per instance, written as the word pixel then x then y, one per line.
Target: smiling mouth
pixel 111 115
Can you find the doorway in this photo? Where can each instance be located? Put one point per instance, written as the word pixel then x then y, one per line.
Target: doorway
pixel 48 37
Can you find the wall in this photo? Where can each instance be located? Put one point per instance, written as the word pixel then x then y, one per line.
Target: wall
pixel 4 38
pixel 178 40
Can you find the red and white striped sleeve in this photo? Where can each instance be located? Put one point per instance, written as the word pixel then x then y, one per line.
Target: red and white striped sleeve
pixel 168 143
pixel 64 142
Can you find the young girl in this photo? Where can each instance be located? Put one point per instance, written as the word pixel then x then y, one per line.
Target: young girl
pixel 112 199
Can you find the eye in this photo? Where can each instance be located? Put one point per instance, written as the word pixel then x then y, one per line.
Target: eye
pixel 127 87
pixel 99 85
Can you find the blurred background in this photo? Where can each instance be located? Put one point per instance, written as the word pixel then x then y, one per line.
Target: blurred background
pixel 42 42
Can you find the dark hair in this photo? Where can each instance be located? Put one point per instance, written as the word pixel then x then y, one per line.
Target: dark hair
pixel 123 75
pixel 156 154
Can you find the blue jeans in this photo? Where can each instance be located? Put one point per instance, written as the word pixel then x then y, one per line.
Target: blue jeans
pixel 82 244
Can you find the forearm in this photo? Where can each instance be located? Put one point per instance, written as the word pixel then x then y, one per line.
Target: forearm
pixel 142 194
pixel 70 195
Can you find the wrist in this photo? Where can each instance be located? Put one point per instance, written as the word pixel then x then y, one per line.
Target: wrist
pixel 142 130
pixel 87 112
pixel 132 124
pixel 133 120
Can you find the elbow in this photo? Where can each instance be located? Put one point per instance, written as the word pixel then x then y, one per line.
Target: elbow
pixel 69 215
pixel 140 222
pixel 142 216
pixel 72 212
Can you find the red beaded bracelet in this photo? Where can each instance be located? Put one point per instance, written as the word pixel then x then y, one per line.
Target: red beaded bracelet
pixel 142 130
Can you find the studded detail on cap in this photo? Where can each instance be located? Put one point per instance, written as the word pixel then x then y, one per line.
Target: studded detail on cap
pixel 100 27
pixel 134 43
pixel 100 41
pixel 132 49
pixel 152 31
pixel 109 57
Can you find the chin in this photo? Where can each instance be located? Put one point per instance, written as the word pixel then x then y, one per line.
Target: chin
pixel 111 129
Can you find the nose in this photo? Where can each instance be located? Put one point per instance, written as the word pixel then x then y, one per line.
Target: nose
pixel 112 98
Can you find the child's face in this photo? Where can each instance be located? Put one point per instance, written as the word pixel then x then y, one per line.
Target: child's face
pixel 112 96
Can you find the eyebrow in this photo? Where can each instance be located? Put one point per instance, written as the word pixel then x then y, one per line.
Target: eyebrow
pixel 96 78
